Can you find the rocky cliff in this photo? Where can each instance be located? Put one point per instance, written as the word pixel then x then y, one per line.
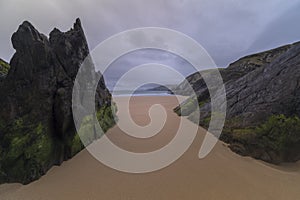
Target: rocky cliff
pixel 233 72
pixel 36 124
pixel 263 104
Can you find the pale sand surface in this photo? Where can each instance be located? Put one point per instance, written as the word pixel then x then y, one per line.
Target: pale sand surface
pixel 221 175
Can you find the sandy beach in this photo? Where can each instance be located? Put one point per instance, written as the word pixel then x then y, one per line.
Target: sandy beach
pixel 221 175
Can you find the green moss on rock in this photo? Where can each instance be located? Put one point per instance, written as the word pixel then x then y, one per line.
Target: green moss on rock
pixel 4 68
pixel 29 151
pixel 188 106
pixel 77 145
pixel 41 149
pixel 106 116
pixel 205 122
pixel 87 133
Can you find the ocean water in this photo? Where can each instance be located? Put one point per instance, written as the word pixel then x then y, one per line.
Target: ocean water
pixel 141 93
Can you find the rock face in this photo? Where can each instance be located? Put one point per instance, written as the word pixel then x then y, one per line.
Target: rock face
pixel 233 72
pixel 259 88
pixel 36 123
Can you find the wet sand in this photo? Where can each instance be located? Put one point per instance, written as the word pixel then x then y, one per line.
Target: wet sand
pixel 221 175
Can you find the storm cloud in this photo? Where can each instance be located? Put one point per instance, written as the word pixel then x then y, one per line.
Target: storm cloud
pixel 226 29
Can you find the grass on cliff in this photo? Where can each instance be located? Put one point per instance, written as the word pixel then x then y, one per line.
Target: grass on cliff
pixel 188 106
pixel 4 67
pixel 278 136
pixel 279 132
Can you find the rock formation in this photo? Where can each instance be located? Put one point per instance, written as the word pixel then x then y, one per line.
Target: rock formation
pixel 233 72
pixel 36 123
pixel 262 91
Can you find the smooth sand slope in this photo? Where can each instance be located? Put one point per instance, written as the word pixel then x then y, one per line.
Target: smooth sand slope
pixel 221 175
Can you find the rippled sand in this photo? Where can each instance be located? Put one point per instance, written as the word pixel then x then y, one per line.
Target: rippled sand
pixel 221 175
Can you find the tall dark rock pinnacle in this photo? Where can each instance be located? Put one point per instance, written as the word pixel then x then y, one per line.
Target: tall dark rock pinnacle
pixel 36 123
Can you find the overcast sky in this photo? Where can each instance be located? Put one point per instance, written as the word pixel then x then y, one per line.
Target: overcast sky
pixel 227 29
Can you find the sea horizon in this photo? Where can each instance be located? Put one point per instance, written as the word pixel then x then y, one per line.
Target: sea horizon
pixel 140 93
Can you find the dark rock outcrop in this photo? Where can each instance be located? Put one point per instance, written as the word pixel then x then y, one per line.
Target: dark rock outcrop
pixel 161 88
pixel 233 72
pixel 258 87
pixel 36 124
